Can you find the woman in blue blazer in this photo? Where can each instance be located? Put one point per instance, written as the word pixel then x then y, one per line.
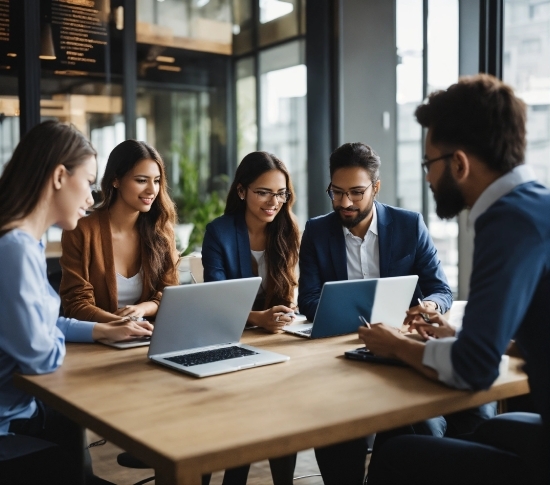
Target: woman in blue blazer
pixel 258 236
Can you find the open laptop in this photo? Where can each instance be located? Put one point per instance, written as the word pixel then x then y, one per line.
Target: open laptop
pixel 341 302
pixel 198 328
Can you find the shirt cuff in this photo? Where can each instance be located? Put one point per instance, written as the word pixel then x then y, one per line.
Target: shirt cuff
pixel 77 330
pixel 437 355
pixel 437 306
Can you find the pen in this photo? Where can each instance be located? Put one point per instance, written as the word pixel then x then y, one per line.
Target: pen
pixel 363 320
pixel 423 315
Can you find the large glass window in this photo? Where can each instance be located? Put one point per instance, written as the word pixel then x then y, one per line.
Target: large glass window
pixel 527 68
pixel 409 96
pixel 247 127
pixel 442 72
pixel 412 84
pixel 283 110
pixel 203 25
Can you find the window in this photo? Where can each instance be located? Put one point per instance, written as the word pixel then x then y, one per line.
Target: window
pixel 271 86
pixel 527 69
pixel 283 124
pixel 412 85
pixel 247 128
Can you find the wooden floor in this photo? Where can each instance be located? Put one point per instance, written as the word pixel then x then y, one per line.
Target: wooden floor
pixel 106 467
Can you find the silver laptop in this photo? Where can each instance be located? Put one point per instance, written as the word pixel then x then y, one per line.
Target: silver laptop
pixel 342 302
pixel 198 328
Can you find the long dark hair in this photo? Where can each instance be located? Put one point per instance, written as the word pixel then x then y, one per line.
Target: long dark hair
pixel 156 227
pixel 42 149
pixel 282 235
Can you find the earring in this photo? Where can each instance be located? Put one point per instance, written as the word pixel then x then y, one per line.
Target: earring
pixel 242 198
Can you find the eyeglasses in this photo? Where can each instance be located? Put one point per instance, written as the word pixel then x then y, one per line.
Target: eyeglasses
pixel 266 196
pixel 353 195
pixel 426 163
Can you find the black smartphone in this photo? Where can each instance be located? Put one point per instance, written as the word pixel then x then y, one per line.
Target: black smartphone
pixel 364 354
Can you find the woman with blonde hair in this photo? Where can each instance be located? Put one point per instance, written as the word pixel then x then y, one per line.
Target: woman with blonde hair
pixel 118 259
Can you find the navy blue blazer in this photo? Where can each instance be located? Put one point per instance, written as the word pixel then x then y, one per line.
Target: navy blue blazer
pixel 406 248
pixel 226 249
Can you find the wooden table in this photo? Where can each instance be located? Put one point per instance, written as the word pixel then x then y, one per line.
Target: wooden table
pixel 184 427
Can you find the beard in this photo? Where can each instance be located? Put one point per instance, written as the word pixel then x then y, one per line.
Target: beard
pixel 447 195
pixel 360 216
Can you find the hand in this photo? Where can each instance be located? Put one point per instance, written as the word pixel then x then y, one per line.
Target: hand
pixel 131 311
pixel 275 318
pixel 124 329
pixel 437 327
pixel 380 339
pixel 426 307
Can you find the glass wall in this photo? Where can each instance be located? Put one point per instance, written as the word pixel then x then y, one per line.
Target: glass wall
pixel 271 86
pixel 413 83
pixel 283 114
pixel 245 90
pixel 527 68
pixel 442 72
pixel 409 18
pixel 203 25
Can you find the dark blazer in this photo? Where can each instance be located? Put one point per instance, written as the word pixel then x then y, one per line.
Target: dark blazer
pixel 406 248
pixel 226 249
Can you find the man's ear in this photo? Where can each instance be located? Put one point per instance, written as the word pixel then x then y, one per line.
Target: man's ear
pixel 460 165
pixel 58 176
pixel 377 186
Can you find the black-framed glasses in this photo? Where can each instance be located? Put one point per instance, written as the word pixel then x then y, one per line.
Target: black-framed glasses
pixel 427 162
pixel 266 195
pixel 353 195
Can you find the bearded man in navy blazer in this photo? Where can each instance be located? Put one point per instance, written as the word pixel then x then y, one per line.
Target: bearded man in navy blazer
pixel 363 238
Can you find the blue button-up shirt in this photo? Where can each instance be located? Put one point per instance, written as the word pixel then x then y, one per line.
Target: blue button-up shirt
pixel 32 335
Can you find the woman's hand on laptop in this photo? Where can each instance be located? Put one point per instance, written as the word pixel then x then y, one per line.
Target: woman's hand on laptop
pixel 119 330
pixel 273 319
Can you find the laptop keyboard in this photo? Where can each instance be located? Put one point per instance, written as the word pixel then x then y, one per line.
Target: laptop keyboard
pixel 207 356
pixel 306 331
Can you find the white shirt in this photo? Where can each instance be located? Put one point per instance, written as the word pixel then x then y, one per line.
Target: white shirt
pixel 262 269
pixel 437 353
pixel 363 255
pixel 129 289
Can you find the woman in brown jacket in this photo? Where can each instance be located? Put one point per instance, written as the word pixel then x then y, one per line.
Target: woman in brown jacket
pixel 118 259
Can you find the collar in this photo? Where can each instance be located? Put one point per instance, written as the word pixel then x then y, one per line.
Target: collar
pixel 373 224
pixel 499 188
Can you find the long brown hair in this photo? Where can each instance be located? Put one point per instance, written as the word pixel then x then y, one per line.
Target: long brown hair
pixel 156 227
pixel 282 234
pixel 42 149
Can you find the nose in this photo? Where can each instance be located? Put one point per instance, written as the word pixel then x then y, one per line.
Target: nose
pixel 346 201
pixel 90 198
pixel 151 187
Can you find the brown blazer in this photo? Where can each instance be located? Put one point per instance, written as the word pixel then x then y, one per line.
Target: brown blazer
pixel 88 284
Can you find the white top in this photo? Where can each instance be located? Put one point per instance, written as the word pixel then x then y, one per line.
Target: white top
pixel 129 289
pixel 363 255
pixel 262 269
pixel 437 353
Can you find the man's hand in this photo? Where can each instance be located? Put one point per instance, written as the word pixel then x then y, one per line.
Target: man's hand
pixel 427 307
pixel 390 342
pixel 381 340
pixel 437 327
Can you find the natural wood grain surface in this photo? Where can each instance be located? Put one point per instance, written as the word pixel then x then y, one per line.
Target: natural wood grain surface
pixel 185 426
